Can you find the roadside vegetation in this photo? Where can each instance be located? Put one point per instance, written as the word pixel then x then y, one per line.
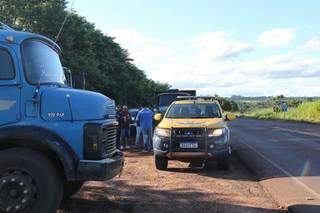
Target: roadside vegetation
pixel 299 109
pixel 107 66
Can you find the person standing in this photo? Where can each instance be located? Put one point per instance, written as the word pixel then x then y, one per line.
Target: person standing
pixel 125 120
pixel 145 117
pixel 138 129
pixel 118 113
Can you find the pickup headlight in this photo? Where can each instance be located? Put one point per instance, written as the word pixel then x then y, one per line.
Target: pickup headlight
pixel 162 132
pixel 216 132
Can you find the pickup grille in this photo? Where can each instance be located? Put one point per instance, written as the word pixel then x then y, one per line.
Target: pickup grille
pixel 188 132
pixel 109 139
pixel 180 135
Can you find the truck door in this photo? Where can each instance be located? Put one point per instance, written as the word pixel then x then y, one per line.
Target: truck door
pixel 9 87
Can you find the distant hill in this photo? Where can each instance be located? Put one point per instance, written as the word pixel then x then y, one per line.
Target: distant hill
pixel 268 98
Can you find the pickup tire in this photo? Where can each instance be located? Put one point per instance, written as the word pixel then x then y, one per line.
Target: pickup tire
pixel 30 182
pixel 224 163
pixel 210 164
pixel 70 188
pixel 196 163
pixel 161 162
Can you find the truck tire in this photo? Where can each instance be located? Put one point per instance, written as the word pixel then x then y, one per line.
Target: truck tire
pixel 29 182
pixel 161 162
pixel 70 188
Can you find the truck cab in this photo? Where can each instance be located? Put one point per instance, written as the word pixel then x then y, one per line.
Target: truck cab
pixel 165 98
pixel 52 137
pixel 194 130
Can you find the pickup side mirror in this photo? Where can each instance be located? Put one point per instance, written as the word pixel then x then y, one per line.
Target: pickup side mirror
pixel 230 117
pixel 157 117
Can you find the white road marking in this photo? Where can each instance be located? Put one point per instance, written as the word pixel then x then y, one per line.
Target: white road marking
pixel 297 131
pixel 284 171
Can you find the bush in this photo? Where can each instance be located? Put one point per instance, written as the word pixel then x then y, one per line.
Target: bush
pixel 294 102
pixel 306 111
pixel 228 104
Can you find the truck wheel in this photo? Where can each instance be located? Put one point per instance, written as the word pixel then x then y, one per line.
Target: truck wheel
pixel 70 188
pixel 29 182
pixel 161 162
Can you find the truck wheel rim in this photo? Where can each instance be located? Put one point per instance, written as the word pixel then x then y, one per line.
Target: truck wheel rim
pixel 17 191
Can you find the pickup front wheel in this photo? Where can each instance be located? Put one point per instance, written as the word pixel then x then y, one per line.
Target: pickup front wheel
pixel 29 182
pixel 161 162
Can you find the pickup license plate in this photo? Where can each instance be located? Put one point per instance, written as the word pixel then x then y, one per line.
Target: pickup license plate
pixel 189 145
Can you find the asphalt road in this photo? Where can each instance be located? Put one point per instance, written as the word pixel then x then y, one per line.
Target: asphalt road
pixel 285 157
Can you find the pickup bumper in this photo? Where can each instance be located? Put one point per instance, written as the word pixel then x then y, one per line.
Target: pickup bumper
pixel 100 170
pixel 217 154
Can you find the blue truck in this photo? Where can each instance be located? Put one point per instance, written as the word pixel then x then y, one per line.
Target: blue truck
pixel 52 137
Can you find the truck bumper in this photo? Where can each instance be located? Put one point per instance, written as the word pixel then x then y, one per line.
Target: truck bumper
pixel 100 170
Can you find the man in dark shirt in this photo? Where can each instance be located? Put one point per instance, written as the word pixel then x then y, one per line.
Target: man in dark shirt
pixel 138 130
pixel 124 121
pixel 119 110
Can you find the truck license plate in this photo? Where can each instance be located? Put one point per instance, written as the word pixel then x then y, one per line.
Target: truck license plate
pixel 189 145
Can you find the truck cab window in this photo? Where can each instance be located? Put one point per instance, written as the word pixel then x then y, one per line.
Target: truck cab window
pixel 42 63
pixel 6 65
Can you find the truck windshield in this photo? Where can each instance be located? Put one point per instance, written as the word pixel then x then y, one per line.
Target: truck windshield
pixel 194 111
pixel 167 99
pixel 42 63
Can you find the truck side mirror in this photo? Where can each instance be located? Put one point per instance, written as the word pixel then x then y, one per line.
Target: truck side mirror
pixel 79 80
pixel 230 117
pixel 68 75
pixel 157 117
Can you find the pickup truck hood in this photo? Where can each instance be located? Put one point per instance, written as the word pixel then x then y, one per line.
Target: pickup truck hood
pixel 78 105
pixel 192 123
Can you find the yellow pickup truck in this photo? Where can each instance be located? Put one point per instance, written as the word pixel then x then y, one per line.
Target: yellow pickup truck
pixel 193 130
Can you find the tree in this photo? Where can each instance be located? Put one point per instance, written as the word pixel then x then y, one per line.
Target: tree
pixel 227 104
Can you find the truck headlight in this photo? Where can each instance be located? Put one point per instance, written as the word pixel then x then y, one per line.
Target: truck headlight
pixel 216 132
pixel 162 132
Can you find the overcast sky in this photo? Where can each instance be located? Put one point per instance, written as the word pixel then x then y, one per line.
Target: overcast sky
pixel 224 47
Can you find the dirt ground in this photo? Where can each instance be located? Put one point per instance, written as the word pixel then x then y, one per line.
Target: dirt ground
pixel 142 188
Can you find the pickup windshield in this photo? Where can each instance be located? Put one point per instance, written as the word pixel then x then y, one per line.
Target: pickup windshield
pixel 42 63
pixel 195 110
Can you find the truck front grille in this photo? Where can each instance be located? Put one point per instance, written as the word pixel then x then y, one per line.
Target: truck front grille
pixel 109 140
pixel 99 141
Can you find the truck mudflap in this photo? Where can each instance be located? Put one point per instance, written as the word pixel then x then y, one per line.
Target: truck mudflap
pixel 99 170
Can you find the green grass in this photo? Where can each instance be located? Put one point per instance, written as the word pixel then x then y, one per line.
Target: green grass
pixel 307 111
